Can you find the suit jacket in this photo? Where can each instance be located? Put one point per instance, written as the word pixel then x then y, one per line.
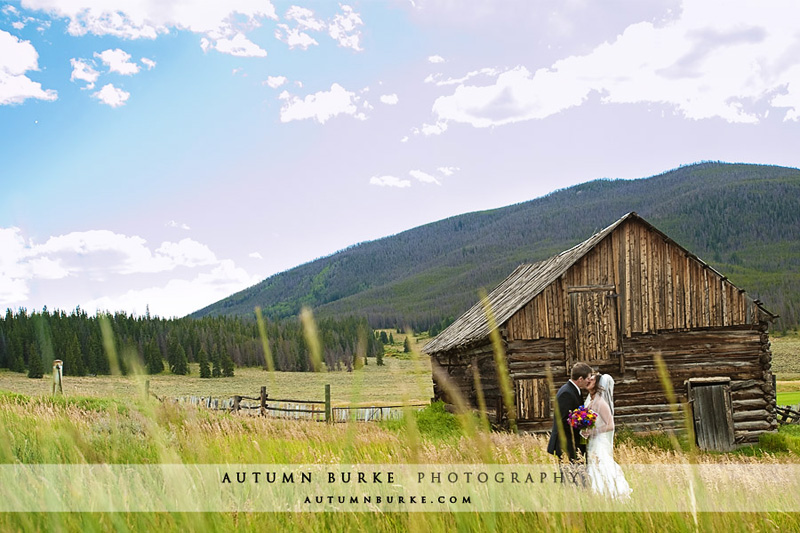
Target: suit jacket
pixel 568 399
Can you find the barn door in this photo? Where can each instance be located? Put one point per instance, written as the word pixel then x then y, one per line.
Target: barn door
pixel 712 412
pixel 595 324
pixel 533 399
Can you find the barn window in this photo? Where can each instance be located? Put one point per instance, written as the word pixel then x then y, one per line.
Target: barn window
pixel 533 399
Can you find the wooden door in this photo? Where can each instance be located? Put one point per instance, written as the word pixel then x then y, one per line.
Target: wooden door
pixel 712 411
pixel 595 323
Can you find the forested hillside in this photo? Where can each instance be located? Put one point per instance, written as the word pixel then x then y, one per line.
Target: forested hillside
pixel 742 219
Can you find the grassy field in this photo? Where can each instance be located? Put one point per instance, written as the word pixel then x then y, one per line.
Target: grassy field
pixel 786 356
pixel 396 381
pixel 75 430
pixel 105 420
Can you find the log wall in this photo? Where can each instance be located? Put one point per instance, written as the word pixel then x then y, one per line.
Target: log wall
pixel 454 379
pixel 741 353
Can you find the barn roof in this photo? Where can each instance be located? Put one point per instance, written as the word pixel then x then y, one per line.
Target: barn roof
pixel 524 284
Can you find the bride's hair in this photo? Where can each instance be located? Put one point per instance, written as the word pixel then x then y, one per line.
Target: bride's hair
pixel 597 387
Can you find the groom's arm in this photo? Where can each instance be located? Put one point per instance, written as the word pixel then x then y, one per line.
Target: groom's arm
pixel 565 405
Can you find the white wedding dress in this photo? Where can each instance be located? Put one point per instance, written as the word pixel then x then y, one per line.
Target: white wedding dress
pixel 605 475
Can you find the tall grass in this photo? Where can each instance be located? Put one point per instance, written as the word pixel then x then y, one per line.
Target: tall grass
pixel 134 430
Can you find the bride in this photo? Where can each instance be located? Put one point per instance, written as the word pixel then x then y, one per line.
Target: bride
pixel 604 473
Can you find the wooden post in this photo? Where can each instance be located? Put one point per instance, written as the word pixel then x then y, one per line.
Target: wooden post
pixel 328 417
pixel 236 400
pixel 264 401
pixel 57 374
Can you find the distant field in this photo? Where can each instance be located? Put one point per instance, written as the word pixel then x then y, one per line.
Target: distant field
pixel 786 356
pixel 396 381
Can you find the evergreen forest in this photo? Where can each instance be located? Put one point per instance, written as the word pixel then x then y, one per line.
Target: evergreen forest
pixel 29 342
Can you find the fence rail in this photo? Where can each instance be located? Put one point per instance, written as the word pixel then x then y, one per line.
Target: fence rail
pixel 299 409
pixel 787 415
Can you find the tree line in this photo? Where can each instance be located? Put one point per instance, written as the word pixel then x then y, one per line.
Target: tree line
pixel 30 342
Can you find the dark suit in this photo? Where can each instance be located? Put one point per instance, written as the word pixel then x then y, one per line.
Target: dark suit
pixel 568 399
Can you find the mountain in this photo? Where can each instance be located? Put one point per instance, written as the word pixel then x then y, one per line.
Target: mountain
pixel 742 219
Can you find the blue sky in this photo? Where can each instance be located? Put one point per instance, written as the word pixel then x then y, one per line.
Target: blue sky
pixel 169 154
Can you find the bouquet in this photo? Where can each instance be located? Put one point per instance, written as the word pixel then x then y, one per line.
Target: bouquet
pixel 582 418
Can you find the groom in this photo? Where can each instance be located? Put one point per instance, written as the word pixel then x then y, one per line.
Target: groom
pixel 569 397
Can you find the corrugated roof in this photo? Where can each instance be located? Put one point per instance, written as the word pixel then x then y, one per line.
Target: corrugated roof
pixel 523 285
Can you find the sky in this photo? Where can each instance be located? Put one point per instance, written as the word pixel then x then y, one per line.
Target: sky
pixel 159 155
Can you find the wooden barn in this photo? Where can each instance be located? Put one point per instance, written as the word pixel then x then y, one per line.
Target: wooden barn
pixel 614 301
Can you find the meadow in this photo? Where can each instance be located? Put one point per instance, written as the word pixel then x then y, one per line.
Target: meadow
pixel 107 420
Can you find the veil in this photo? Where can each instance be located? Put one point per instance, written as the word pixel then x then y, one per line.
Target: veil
pixel 606 384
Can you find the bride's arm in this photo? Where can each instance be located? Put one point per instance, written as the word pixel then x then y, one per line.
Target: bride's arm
pixel 604 411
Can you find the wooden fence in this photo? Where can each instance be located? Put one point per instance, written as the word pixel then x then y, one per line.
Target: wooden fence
pixel 787 415
pixel 317 410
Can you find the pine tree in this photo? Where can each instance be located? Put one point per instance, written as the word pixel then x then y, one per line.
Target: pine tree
pixel 379 358
pixel 180 363
pixel 391 338
pixel 73 361
pixel 406 345
pixel 16 357
pixel 152 357
pixel 227 365
pixel 215 366
pixel 202 358
pixel 35 366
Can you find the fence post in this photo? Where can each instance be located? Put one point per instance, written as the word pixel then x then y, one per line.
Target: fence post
pixel 264 401
pixel 328 417
pixel 147 389
pixel 236 400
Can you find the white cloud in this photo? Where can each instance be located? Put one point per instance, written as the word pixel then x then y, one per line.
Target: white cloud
pixel 239 46
pixel 123 254
pixel 81 70
pixel 149 63
pixel 14 273
pixel 423 177
pixel 320 106
pixel 174 224
pixel 179 297
pixel 294 37
pixel 448 171
pixel 436 78
pixel 98 255
pixel 146 19
pixel 344 30
pixel 118 61
pixel 16 58
pixel 304 18
pixel 112 96
pixel 435 59
pixel 18 25
pixel 716 59
pixel 255 255
pixel 389 181
pixel 276 81
pixel 389 99
pixel 432 129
